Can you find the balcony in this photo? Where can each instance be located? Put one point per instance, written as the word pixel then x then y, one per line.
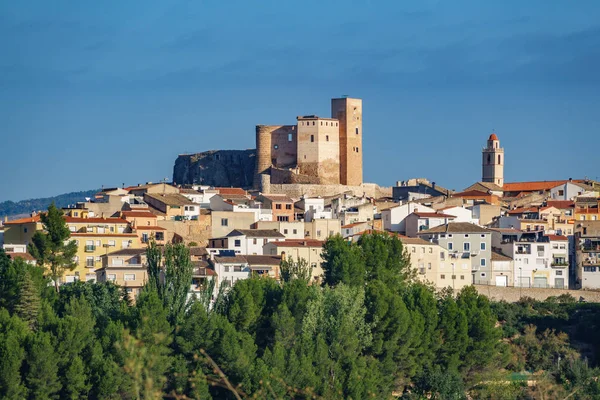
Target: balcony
pixel 422 271
pixel 590 247
pixel 90 248
pixel 523 252
pixel 559 264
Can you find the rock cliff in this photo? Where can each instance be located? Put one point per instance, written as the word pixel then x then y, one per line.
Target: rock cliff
pixel 220 168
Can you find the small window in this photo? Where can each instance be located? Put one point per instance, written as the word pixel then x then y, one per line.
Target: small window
pixel 482 246
pixel 290 137
pixel 450 246
pixel 431 250
pixel 313 122
pixel 357 130
pixel 327 138
pixel 442 276
pixel 285 231
pixel 428 265
pixel 482 262
pixel 288 206
pixel 483 274
pixel 414 249
pixel 254 241
pixel 278 206
pixel 312 138
pixel 294 231
pixel 224 222
pixel 129 277
pixel 276 147
pixel 462 277
pixel 321 123
pixel 357 149
pixel 467 246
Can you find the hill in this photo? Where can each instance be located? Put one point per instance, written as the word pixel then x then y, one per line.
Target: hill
pixel 12 209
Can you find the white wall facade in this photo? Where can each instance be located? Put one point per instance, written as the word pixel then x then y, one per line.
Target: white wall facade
pixel 394 219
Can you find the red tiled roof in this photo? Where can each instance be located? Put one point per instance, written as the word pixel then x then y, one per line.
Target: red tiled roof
pixel 472 193
pixel 228 191
pixel 24 256
pixel 27 220
pixel 432 215
pixel 150 228
pixel 531 186
pixel 352 225
pixel 560 204
pixel 557 238
pixel 73 220
pixel 138 214
pixel 523 210
pixel 493 136
pixel 104 234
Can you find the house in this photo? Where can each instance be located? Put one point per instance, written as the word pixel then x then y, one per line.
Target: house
pixel 221 202
pixel 421 221
pixel 355 228
pixel 565 189
pixel 350 209
pixel 473 197
pixel 502 270
pixel 144 224
pixel 394 218
pixel 173 206
pixel 321 229
pixel 223 222
pixel 433 265
pixel 230 269
pixel 313 208
pixel 539 260
pixel 469 247
pixel 587 242
pixel 485 213
pixel 20 231
pixel 281 205
pixel 199 195
pixel 291 229
pixel 307 249
pixel 26 257
pixel 202 273
pixel 126 268
pixel 460 213
pixel 264 265
pixel 419 188
pixel 246 241
pixel 486 187
pixel 151 188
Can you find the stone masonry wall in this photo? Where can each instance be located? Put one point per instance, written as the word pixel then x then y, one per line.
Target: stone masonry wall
pixel 297 190
pixel 513 294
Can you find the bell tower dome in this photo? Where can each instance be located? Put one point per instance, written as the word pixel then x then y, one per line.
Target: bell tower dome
pixel 493 161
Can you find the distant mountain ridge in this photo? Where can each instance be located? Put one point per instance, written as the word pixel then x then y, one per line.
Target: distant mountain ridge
pixel 13 209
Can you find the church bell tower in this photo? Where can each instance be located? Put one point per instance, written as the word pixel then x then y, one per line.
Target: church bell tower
pixel 493 161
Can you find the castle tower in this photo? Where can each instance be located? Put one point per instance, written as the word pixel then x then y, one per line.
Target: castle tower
pixel 348 112
pixel 319 149
pixel 493 161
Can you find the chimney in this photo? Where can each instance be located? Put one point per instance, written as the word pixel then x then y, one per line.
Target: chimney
pixel 433 185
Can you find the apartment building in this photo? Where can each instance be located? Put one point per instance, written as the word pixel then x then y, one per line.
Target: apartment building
pixel 469 247
pixel 587 244
pixel 307 249
pixel 126 268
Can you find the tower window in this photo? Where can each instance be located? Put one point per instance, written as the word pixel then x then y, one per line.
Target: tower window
pixel 327 138
pixel 289 137
pixel 321 123
pixel 489 159
pixel 313 122
pixel 357 130
pixel 312 138
pixel 499 159
pixel 276 147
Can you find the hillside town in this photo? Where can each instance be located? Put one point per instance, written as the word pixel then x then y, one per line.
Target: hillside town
pixel 308 187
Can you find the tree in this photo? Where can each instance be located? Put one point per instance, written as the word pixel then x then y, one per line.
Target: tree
pixel 299 269
pixel 342 263
pixel 385 259
pixel 174 262
pixel 51 247
pixel 13 333
pixel 28 304
pixel 42 368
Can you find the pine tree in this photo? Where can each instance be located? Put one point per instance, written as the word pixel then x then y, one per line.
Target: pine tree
pixel 42 368
pixel 28 304
pixel 51 247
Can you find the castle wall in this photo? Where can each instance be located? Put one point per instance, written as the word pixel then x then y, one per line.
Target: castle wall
pixel 313 190
pixel 349 113
pixel 286 176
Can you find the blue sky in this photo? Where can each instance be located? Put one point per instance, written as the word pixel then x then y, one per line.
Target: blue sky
pixel 104 93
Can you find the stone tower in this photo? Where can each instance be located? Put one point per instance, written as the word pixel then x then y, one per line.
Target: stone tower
pixel 493 161
pixel 348 112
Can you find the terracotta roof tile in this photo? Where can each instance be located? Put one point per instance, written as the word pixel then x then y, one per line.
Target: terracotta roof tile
pixel 24 256
pixel 560 204
pixel 557 238
pixel 230 191
pixel 432 215
pixel 532 186
pixel 299 243
pixel 138 214
pixel 456 227
pixel 150 228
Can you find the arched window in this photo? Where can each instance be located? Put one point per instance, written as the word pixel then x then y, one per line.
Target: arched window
pixel 499 159
pixel 489 159
pixel 312 138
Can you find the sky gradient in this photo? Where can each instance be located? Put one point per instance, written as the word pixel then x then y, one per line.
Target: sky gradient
pixel 105 93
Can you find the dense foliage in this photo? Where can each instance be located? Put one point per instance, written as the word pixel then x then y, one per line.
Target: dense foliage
pixel 370 331
pixel 11 208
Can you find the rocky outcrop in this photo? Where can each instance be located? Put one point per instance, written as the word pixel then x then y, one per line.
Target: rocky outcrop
pixel 220 168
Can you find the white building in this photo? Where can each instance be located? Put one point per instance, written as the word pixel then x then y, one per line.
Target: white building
pixel 569 190
pixel 245 241
pixel 461 214
pixel 230 269
pixel 539 261
pixel 314 208
pixel 421 221
pixel 394 219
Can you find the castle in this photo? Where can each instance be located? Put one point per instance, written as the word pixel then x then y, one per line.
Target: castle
pixel 323 151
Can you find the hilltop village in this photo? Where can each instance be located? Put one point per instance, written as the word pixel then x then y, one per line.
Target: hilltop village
pixel 304 184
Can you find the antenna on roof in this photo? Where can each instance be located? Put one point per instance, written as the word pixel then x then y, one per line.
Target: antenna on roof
pixel 344 96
